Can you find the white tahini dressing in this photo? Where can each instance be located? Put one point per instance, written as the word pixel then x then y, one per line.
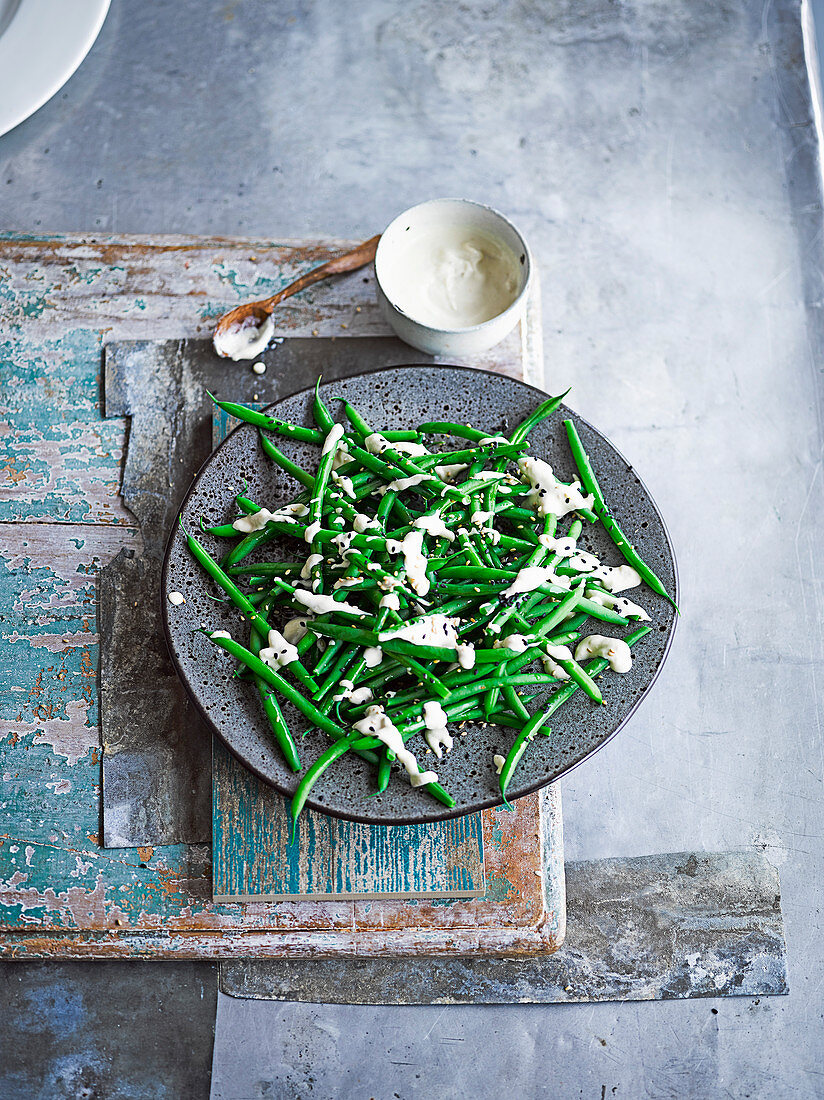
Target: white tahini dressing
pixel 345 582
pixel 617 578
pixel 478 518
pixel 621 604
pixel 376 444
pixel 177 598
pixel 531 577
pixel 402 483
pixel 564 547
pixel 437 735
pixel 372 656
pixel 309 565
pixel 344 541
pixel 344 484
pixel 341 458
pixel 583 562
pixel 518 643
pixel 378 724
pixel 353 694
pixel 435 526
pixel 549 495
pixel 615 650
pixel 333 437
pixel 554 654
pixel 363 523
pixel 499 762
pixel 466 654
pixel 322 605
pixel 434 630
pixel 279 652
pixel 390 600
pixel 453 277
pixel 258 520
pixel 450 471
pixel 415 561
pixel 295 630
pixel 245 341
pixel 221 634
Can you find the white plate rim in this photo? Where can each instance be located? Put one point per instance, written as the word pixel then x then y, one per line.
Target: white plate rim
pixel 42 46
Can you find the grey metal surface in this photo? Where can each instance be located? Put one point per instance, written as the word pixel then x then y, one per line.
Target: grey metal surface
pixel 157 772
pixel 394 399
pixel 662 160
pixel 648 928
pixel 94 1031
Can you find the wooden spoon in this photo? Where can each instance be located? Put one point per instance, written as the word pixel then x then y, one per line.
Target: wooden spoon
pixel 251 317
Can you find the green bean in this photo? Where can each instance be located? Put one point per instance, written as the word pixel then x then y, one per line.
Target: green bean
pixel 384 773
pixel 323 418
pixel 273 712
pixel 328 757
pixel 263 420
pixel 277 456
pixel 547 408
pixel 308 709
pixel 557 700
pixel 590 483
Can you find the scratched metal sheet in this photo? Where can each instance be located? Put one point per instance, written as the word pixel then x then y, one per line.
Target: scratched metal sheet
pixel 646 928
pixel 156 749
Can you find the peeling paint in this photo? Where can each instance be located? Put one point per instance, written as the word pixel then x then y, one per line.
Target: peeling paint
pixel 71 736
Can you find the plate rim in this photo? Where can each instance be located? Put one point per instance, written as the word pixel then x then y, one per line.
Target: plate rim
pixel 41 82
pixel 456 812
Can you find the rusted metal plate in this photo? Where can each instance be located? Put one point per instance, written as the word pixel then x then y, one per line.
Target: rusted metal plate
pixel 157 774
pixel 647 928
pixel 254 859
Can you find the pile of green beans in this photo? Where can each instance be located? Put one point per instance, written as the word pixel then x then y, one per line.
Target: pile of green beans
pixel 479 524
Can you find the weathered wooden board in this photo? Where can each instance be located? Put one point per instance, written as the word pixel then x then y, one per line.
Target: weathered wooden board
pixel 147 903
pixel 61 894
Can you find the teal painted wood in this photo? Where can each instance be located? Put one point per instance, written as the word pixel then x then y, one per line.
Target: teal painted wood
pixel 253 857
pixel 256 859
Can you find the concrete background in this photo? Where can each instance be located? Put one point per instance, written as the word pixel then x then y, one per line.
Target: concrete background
pixel 662 160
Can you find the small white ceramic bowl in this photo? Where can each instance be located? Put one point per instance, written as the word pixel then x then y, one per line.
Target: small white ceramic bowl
pixel 392 272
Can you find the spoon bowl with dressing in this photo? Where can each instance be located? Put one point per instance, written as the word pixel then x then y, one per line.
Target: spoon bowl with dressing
pixel 245 331
pixel 452 276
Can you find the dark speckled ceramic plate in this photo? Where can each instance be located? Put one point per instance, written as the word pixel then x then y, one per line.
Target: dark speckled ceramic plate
pixel 405 396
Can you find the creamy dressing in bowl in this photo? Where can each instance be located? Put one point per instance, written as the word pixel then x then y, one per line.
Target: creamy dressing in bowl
pixel 453 277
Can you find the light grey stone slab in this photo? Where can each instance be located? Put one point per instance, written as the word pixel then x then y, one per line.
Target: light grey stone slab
pixel 648 928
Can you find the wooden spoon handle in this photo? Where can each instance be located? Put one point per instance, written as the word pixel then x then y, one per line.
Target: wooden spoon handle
pixel 349 261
